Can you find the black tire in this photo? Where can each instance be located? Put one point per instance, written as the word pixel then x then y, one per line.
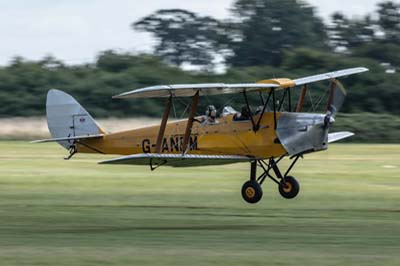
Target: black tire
pixel 289 187
pixel 252 192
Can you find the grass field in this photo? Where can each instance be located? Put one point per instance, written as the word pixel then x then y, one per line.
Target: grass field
pixel 56 212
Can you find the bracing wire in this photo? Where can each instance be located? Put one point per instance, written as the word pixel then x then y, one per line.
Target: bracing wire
pixel 311 100
pixel 322 97
pixel 173 107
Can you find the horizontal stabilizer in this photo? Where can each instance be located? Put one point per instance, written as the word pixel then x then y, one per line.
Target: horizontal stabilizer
pixel 177 160
pixel 333 137
pixel 69 138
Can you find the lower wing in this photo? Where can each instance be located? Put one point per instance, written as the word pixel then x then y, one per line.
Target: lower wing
pixel 177 160
pixel 333 137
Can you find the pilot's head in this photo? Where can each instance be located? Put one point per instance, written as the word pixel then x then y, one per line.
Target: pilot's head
pixel 211 111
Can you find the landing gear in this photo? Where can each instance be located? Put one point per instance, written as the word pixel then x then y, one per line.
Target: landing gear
pixel 287 185
pixel 252 192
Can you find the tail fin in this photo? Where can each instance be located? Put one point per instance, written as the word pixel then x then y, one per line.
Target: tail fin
pixel 66 118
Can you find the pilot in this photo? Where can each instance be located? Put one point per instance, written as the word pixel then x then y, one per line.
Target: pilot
pixel 243 115
pixel 211 115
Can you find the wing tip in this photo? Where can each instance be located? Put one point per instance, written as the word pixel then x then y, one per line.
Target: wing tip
pixel 363 69
pixel 337 136
pixel 121 96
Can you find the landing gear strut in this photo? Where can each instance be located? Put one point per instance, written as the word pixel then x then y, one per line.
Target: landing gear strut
pixel 287 185
pixel 251 190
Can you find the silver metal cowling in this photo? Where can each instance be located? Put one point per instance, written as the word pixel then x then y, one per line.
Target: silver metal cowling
pixel 302 133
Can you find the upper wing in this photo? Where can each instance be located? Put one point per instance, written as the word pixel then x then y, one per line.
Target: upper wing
pixel 177 160
pixel 330 75
pixel 188 90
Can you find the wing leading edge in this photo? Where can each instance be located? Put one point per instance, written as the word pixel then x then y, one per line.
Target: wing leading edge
pixel 177 160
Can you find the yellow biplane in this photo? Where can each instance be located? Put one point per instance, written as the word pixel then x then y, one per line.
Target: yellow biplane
pixel 262 137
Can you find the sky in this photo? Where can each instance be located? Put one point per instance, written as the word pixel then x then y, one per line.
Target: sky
pixel 75 31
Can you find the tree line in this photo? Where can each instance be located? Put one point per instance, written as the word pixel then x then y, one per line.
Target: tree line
pixel 259 32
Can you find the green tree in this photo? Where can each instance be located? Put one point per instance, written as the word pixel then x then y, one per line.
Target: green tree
pixel 378 39
pixel 114 62
pixel 265 28
pixel 346 34
pixel 182 36
pixel 389 21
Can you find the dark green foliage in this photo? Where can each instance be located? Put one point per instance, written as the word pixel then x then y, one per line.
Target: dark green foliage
pixel 348 33
pixel 23 84
pixel 373 36
pixel 183 36
pixel 266 28
pixel 369 127
pixel 383 52
pixel 389 20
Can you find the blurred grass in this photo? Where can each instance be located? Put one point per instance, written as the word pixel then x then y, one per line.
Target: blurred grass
pixel 56 212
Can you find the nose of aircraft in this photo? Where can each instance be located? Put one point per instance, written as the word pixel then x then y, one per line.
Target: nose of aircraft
pixel 302 133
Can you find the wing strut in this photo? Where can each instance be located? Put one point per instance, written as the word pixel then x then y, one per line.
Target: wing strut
pixel 250 112
pixel 265 103
pixel 329 107
pixel 274 104
pixel 163 125
pixel 282 100
pixel 189 125
pixel 300 103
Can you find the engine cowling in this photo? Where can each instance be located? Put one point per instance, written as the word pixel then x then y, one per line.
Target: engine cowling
pixel 302 133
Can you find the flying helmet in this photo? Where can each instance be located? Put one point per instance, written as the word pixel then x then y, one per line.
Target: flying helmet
pixel 211 111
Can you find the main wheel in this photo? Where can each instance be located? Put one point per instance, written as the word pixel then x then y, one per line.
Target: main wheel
pixel 289 187
pixel 252 192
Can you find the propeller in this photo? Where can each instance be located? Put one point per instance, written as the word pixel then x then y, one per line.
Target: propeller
pixel 336 99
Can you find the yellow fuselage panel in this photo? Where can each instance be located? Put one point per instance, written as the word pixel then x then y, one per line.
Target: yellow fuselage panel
pixel 227 137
